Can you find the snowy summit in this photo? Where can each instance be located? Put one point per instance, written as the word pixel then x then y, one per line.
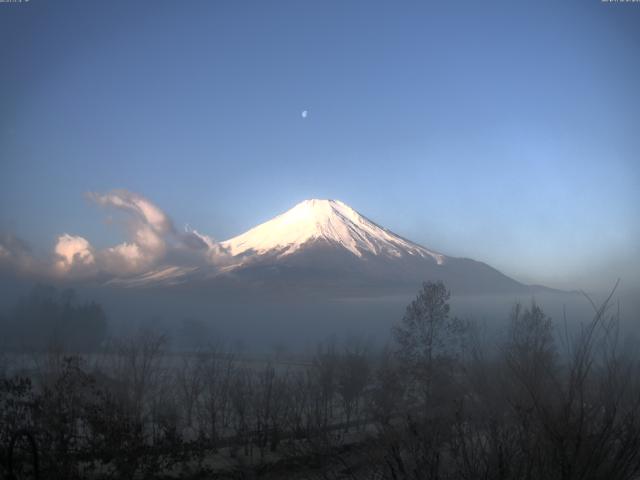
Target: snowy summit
pixel 329 220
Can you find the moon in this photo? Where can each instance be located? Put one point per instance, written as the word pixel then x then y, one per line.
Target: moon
pixel 304 113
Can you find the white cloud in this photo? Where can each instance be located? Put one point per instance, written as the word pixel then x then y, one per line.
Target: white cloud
pixel 206 241
pixel 137 205
pixel 148 225
pixel 152 244
pixel 73 254
pixel 214 253
pixel 124 259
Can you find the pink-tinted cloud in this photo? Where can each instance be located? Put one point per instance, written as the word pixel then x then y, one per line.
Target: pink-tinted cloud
pixel 73 254
pixel 149 227
pixel 141 208
pixel 152 244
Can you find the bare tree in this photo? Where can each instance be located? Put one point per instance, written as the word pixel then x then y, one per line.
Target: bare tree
pixel 241 393
pixel 324 374
pixel 218 370
pixel 190 382
pixel 353 377
pixel 137 362
pixel 426 339
pixel 387 391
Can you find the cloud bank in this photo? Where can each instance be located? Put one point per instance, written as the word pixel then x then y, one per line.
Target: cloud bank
pixel 16 255
pixel 152 244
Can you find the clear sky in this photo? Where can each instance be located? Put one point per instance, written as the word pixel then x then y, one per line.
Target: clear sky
pixel 505 131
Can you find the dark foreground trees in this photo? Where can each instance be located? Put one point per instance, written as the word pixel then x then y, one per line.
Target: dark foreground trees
pixel 428 343
pixel 531 407
pixel 439 403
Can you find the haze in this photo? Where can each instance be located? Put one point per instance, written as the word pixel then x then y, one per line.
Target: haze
pixel 332 239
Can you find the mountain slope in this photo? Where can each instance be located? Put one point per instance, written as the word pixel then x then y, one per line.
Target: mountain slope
pixel 325 246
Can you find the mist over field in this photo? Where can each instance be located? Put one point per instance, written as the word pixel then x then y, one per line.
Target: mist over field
pixel 298 322
pixel 184 385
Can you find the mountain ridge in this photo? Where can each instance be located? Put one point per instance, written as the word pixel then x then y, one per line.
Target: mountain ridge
pixel 325 245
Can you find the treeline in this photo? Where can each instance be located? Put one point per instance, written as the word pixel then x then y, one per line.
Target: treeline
pixel 47 318
pixel 441 402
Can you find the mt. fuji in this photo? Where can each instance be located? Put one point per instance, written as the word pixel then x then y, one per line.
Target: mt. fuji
pixel 325 220
pixel 327 246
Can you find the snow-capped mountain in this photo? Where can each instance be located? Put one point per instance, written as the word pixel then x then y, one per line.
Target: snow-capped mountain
pixel 324 220
pixel 325 245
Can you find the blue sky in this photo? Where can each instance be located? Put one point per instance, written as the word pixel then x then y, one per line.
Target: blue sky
pixel 505 131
